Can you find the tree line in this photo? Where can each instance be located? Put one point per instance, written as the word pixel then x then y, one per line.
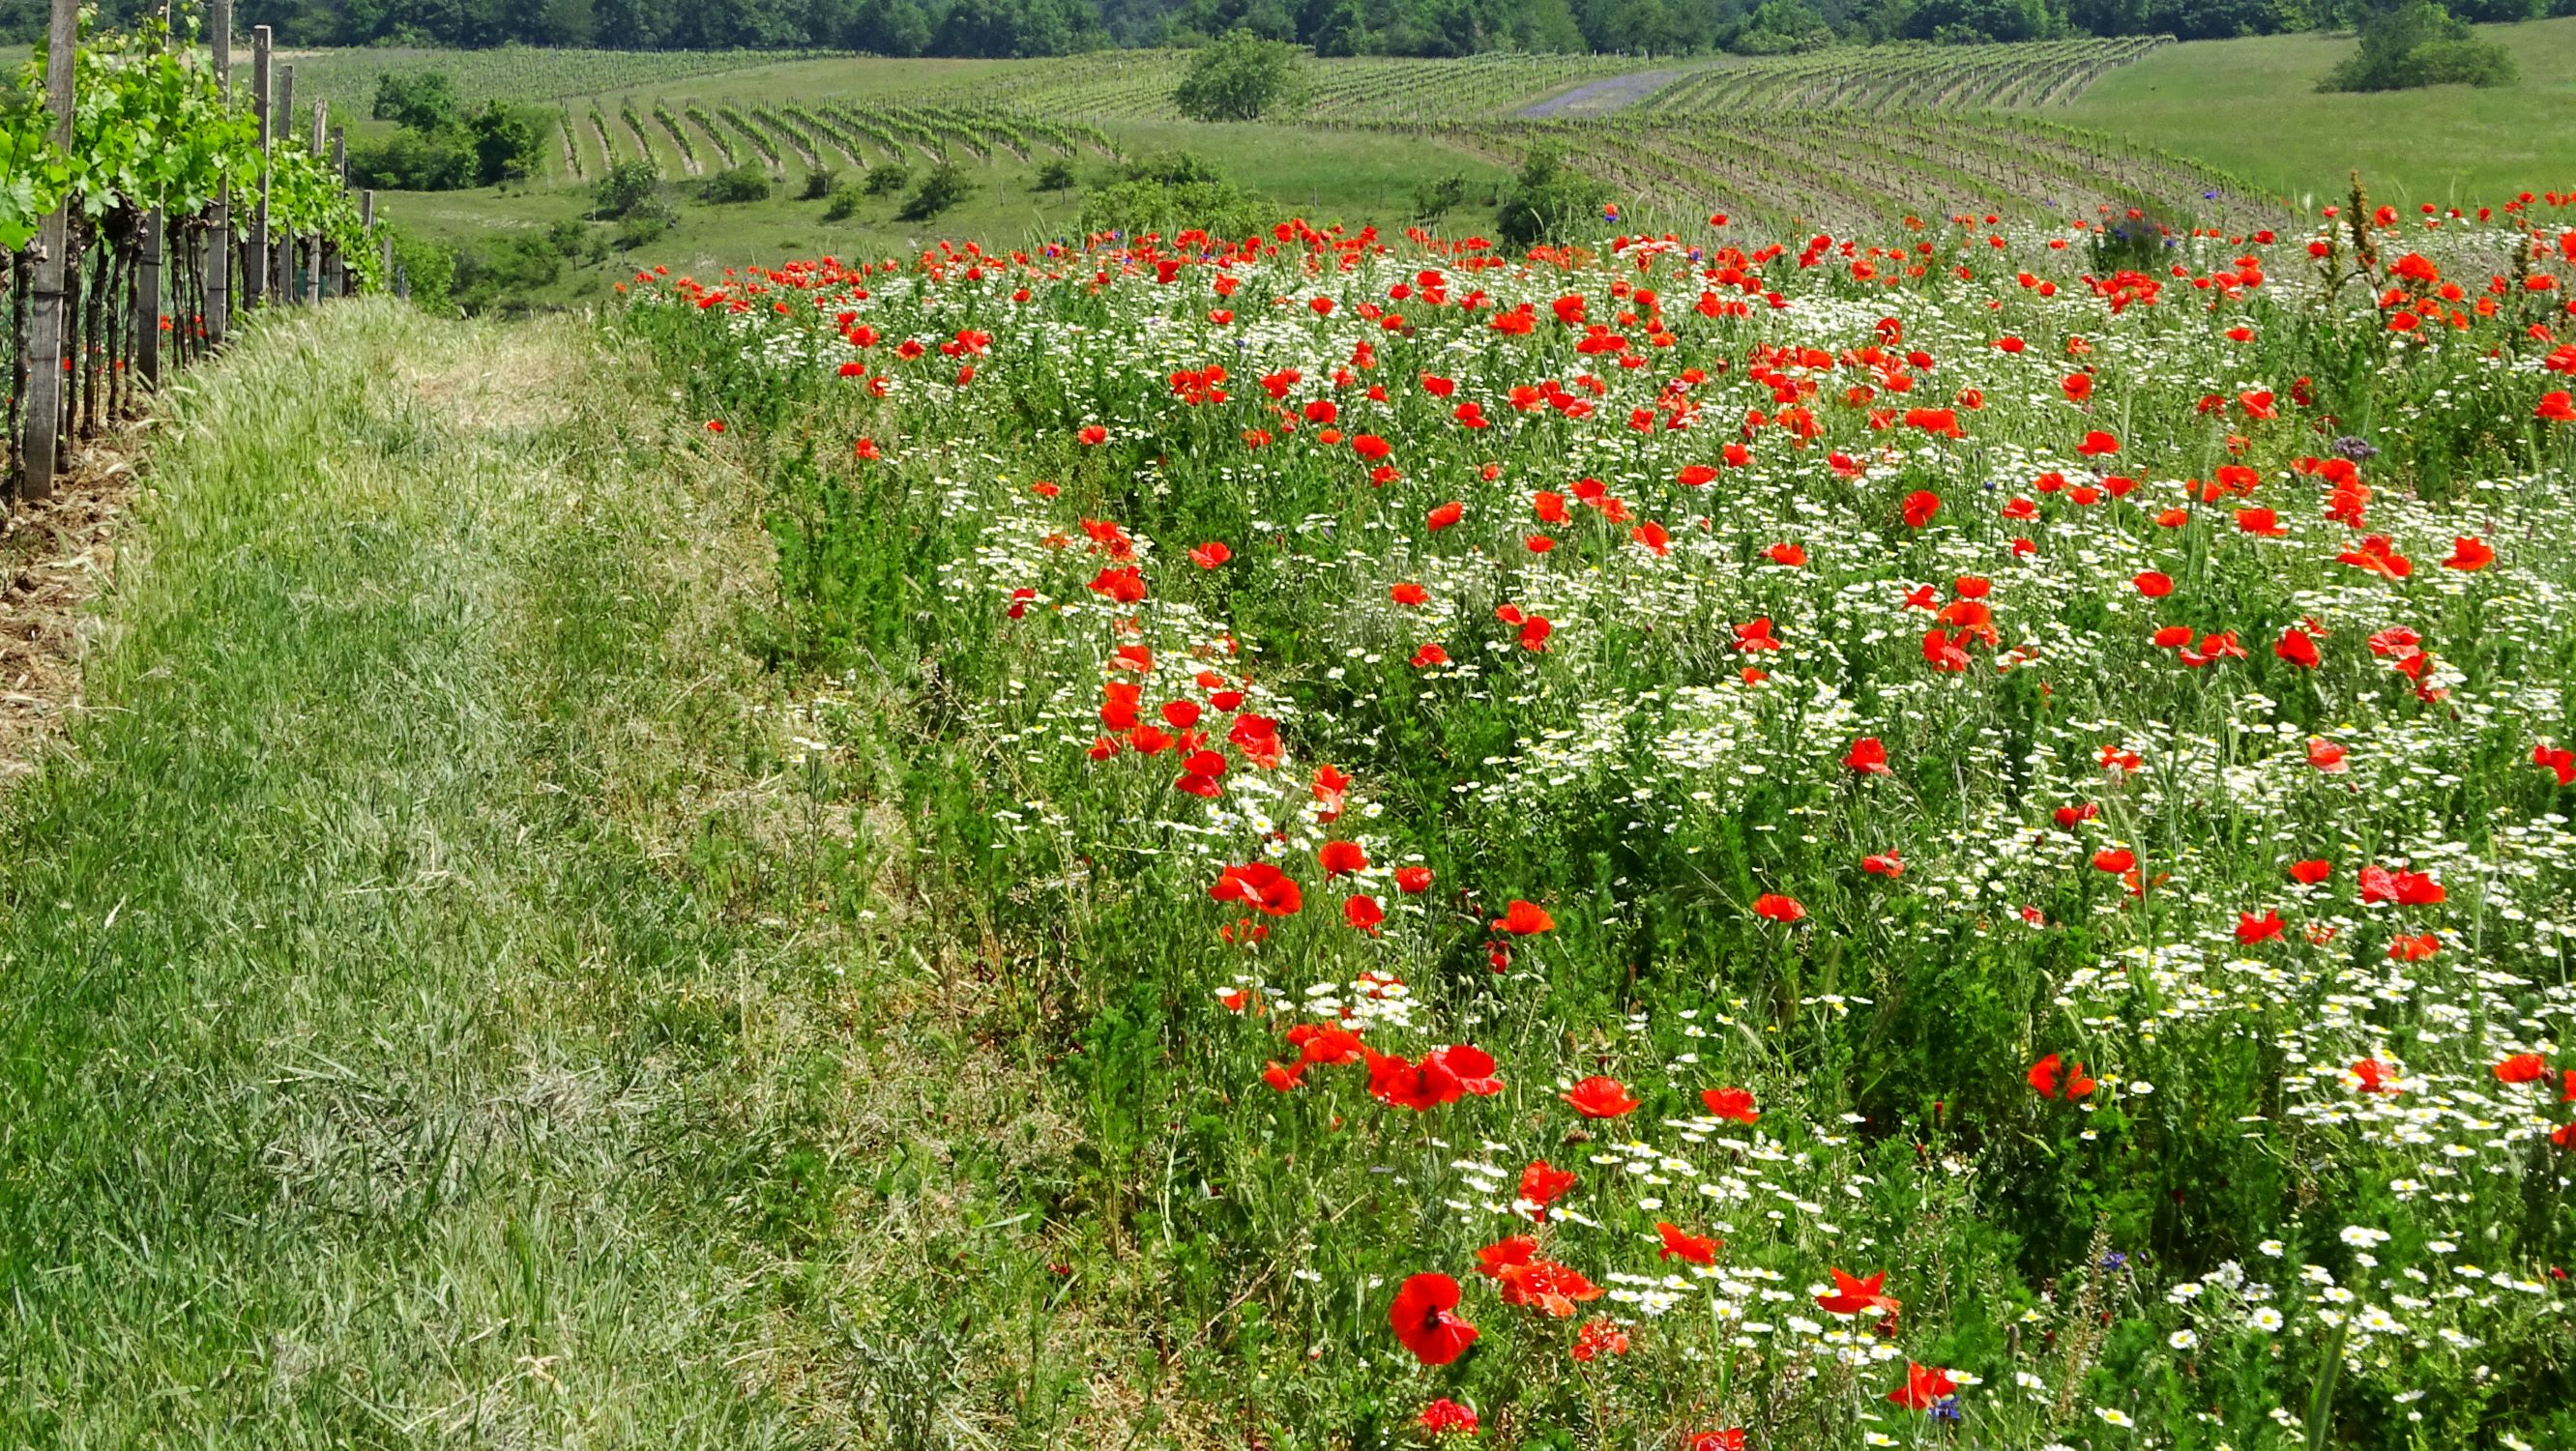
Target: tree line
pixel 1015 28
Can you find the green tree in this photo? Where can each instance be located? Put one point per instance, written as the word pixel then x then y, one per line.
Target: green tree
pixel 1240 77
pixel 506 139
pixel 421 100
pixel 2417 43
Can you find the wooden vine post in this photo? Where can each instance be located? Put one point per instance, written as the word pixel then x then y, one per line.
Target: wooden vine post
pixel 281 242
pixel 219 221
pixel 44 403
pixel 333 280
pixel 147 279
pixel 366 229
pixel 255 265
pixel 309 288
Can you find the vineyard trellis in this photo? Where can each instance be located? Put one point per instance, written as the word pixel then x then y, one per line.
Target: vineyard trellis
pixel 117 228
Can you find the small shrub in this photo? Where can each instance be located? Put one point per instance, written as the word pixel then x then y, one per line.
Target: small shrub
pixel 887 180
pixel 1170 192
pixel 1434 199
pixel 1056 175
pixel 734 185
pixel 941 189
pixel 818 184
pixel 641 229
pixel 1549 201
pixel 844 203
pixel 569 236
pixel 627 187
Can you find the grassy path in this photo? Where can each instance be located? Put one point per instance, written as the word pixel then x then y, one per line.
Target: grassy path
pixel 401 1043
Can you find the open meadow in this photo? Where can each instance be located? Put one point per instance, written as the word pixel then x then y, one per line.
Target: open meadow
pixel 1858 748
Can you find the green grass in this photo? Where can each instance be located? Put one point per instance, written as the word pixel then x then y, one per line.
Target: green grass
pixel 405 1041
pixel 2252 106
pixel 1355 178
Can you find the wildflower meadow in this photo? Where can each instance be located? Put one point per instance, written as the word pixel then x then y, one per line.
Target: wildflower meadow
pixel 1950 839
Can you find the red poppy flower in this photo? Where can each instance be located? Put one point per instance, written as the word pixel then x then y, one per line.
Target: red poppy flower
pixel 1363 913
pixel 1444 516
pixel 1867 756
pixel 2154 584
pixel 1542 1184
pixel 2371 1076
pixel 1771 906
pixel 1730 1103
pixel 1523 919
pixel 2309 873
pixel 1679 1245
pixel 2044 1079
pixel 2558 760
pixel 1210 555
pixel 2522 1068
pixel 2114 860
pixel 1340 857
pixel 1409 594
pixel 2468 554
pixel 1786 554
pixel 1125 586
pixel 1545 1286
pixel 1260 886
pixel 2251 929
pixel 1093 436
pixel 2098 444
pixel 1421 1318
pixel 1924 1386
pixel 1599 1097
pixel 1919 508
pixel 1412 880
pixel 1883 864
pixel 1730 1439
pixel 1444 1415
pixel 2298 647
pixel 1855 1296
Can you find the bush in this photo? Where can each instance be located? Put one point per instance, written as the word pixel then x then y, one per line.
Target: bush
pixel 1240 77
pixel 641 229
pixel 413 161
pixel 1434 199
pixel 1056 175
pixel 428 267
pixel 569 236
pixel 941 189
pixel 1171 192
pixel 887 180
pixel 734 185
pixel 844 203
pixel 818 184
pixel 2417 43
pixel 627 187
pixel 1550 201
pixel 499 276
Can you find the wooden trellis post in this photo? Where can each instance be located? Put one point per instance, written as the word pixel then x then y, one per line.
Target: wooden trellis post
pixel 255 264
pixel 308 285
pixel 281 242
pixel 219 228
pixel 147 282
pixel 334 268
pixel 366 228
pixel 44 401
